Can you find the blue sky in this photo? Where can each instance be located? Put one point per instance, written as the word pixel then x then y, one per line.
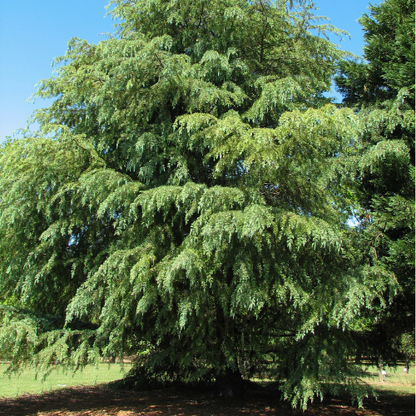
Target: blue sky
pixel 33 33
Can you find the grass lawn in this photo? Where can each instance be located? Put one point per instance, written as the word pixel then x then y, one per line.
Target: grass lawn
pixel 61 396
pixel 397 381
pixel 26 382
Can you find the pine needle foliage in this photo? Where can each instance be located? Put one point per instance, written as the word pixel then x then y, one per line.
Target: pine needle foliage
pixel 383 90
pixel 181 202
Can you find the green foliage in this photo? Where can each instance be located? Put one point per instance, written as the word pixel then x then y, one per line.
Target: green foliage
pixel 383 91
pixel 183 196
pixel 390 55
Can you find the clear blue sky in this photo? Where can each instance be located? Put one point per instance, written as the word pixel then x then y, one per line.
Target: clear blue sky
pixel 32 33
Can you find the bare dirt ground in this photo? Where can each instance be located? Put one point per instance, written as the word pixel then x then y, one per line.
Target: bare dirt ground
pixel 99 401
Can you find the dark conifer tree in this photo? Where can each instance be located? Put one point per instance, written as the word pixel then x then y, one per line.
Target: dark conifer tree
pixel 383 90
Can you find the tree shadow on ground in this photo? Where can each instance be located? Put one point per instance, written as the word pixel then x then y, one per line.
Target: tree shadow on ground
pixel 100 400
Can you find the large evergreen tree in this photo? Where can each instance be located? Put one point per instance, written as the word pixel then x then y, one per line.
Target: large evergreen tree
pixel 383 89
pixel 181 202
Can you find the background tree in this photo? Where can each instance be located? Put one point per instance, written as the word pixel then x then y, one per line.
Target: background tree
pixel 181 200
pixel 383 90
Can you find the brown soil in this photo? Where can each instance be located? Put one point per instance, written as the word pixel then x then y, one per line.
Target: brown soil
pixel 99 401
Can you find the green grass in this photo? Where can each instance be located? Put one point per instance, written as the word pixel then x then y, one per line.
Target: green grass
pixel 26 382
pixel 397 381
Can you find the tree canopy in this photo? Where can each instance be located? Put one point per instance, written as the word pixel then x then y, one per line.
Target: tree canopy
pixel 383 89
pixel 185 200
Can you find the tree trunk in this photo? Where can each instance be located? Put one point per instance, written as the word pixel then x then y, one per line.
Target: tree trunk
pixel 230 384
pixel 407 363
pixel 358 356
